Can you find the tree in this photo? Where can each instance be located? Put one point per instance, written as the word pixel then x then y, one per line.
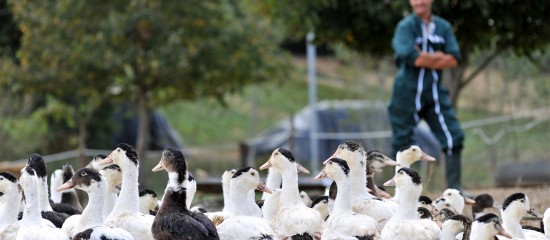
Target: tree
pixel 79 54
pixel 367 26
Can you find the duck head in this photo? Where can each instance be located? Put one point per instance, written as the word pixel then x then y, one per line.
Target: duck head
pixel 84 179
pixel 123 155
pixel 249 178
pixel 378 160
pixel 352 152
pixel 335 168
pixel 518 203
pixel 412 153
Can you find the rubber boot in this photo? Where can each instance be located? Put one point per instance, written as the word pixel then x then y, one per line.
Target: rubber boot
pixel 453 171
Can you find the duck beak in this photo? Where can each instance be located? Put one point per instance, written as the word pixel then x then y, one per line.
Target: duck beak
pixel 390 183
pixel 427 157
pixel 107 160
pixel 301 168
pixel 262 187
pixel 469 201
pixel 390 162
pixel 534 213
pixel 158 167
pixel 266 165
pixel 67 185
pixel 321 175
pixel 503 233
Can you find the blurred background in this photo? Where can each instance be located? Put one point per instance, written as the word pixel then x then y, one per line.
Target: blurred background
pixel 228 81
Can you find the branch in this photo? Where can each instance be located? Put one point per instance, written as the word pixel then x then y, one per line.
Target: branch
pixel 482 66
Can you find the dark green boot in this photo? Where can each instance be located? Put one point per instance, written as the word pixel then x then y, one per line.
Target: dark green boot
pixel 453 171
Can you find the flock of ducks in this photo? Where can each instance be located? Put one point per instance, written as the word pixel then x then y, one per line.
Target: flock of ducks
pixel 353 207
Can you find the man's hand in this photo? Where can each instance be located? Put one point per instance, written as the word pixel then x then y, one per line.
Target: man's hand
pixel 435 60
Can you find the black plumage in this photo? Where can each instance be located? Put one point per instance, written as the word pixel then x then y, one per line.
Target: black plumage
pixel 304 236
pixel 56 218
pixel 512 198
pixel 130 152
pixel 287 154
pixel 413 174
pixel 175 221
pixel 69 200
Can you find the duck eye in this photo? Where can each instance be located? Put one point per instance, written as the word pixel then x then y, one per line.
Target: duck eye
pixel 522 200
pixel 252 174
pixel 118 150
pixel 83 174
pixel 447 205
pixel 449 194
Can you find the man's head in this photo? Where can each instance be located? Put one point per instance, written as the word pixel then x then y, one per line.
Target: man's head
pixel 421 8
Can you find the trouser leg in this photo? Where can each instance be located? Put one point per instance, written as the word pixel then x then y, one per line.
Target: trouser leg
pixel 453 171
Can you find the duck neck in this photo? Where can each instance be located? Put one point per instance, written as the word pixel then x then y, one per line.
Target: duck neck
pixel 273 180
pixel 44 199
pixel 240 197
pixel 479 233
pixel 510 221
pixel 449 231
pixel 271 204
pixel 371 185
pixel 359 182
pixel 93 213
pixel 10 208
pixel 408 202
pixel 342 203
pixel 226 188
pixel 289 191
pixel 31 214
pixel 109 203
pixel 172 201
pixel 70 197
pixel 128 200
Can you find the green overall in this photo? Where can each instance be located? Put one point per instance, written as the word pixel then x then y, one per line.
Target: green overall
pixel 418 92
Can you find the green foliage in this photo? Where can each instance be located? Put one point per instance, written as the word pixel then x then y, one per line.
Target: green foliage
pixel 81 54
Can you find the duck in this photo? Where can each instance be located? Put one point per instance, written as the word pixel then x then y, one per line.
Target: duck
pixel 457 199
pixel 424 213
pixel 32 226
pixel 545 223
pixel 227 206
pixel 113 178
pixel 69 199
pixel 513 209
pixel 405 223
pixel 89 225
pixel 321 205
pixel 11 196
pixel 442 203
pixel 376 160
pixel 125 213
pixel 455 225
pixel 37 163
pixel 272 181
pixel 482 202
pixel 148 202
pixel 405 157
pixel 362 201
pixel 305 198
pixel 243 225
pixel 271 205
pixel 293 218
pixel 56 180
pixel 174 220
pixel 426 202
pixel 488 227
pixel 343 223
pixel 94 164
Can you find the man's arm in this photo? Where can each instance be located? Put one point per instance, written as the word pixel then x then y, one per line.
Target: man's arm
pixel 436 60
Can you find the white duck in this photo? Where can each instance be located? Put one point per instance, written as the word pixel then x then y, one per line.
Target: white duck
pixel 457 200
pixel 226 211
pixel 11 196
pixel 56 180
pixel 321 205
pixel 406 224
pixel 343 223
pixel 37 163
pixel 174 220
pixel 513 209
pixel 243 225
pixel 457 224
pixel 148 202
pixel 362 201
pixel 487 227
pixel 546 222
pixel 405 157
pixel 113 177
pixel 89 225
pixel 293 218
pixel 126 213
pixel 32 226
pixel 271 205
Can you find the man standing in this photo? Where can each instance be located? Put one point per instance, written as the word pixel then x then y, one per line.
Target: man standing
pixel 424 44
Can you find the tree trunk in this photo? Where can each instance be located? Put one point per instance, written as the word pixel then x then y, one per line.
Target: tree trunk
pixel 455 83
pixel 143 135
pixel 82 134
